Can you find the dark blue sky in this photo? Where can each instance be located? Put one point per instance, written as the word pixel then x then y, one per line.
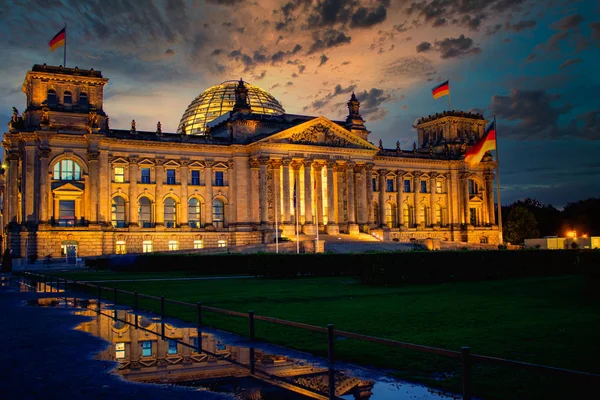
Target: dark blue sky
pixel 532 64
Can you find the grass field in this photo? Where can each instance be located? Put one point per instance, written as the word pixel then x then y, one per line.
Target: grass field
pixel 545 320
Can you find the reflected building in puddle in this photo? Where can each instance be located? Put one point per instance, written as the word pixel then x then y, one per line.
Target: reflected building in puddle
pixel 143 355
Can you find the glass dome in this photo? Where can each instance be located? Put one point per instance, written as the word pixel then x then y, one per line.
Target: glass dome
pixel 219 99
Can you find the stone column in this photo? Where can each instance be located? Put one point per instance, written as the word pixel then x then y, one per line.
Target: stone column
pixel 263 201
pixel 416 188
pixel 400 197
pixel 464 197
pixel 104 177
pixel 183 176
pixel 318 194
pixel 332 223
pixel 254 191
pixel 133 192
pixel 297 208
pixel 92 157
pixel 29 176
pixel 341 193
pixel 432 189
pixel 382 192
pixel 286 191
pixel 276 165
pixel 361 196
pixel 489 189
pixel 13 189
pixel 208 185
pixel 159 208
pixel 369 182
pixel 308 227
pixel 453 202
pixel 44 154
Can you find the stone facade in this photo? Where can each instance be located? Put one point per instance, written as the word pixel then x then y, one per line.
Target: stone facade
pixel 71 180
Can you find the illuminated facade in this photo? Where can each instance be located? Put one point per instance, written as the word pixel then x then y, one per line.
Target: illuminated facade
pixel 72 181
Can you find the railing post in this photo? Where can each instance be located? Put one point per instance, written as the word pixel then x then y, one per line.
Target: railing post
pixel 99 297
pixel 162 317
pixel 466 372
pixel 251 327
pixel 135 308
pixel 331 360
pixel 199 325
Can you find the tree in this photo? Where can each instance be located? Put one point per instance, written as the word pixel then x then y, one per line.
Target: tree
pixel 583 216
pixel 520 225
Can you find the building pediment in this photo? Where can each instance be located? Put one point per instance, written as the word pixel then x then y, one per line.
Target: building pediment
pixel 320 132
pixel 476 199
pixel 67 187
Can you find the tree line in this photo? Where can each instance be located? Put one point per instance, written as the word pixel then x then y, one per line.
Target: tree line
pixel 529 218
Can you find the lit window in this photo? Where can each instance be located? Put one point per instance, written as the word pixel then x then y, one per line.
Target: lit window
pixel 170 213
pixel 172 347
pixel 120 247
pixel 194 212
pixel 195 177
pixel 119 350
pixel 438 187
pixel 390 215
pixel 390 185
pixel 145 175
pixel 222 243
pixel 407 185
pixel 438 214
pixel 118 212
pixel 66 212
pixel 198 244
pixel 145 213
pixel 146 348
pixel 67 170
pixel 218 213
pixel 67 98
pixel 219 178
pixel 423 186
pixel 119 174
pixel 147 246
pixel 170 177
pixel 173 245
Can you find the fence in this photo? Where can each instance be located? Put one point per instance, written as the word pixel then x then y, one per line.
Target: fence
pixel 464 355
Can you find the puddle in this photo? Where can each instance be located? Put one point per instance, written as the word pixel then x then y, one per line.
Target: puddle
pixel 149 351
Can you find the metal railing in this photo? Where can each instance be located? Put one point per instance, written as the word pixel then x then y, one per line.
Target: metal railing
pixel 464 355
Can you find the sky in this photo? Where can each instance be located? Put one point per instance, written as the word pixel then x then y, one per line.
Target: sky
pixel 531 64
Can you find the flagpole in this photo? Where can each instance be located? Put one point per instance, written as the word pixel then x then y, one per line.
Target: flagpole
pixel 449 95
pixel 498 185
pixel 276 224
pixel 65 49
pixel 296 216
pixel 316 211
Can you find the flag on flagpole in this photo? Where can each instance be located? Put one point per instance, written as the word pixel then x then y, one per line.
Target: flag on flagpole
pixel 474 155
pixel 58 40
pixel 440 90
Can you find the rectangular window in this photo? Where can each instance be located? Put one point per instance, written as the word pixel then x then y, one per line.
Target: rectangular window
pixel 66 212
pixel 473 189
pixel 423 186
pixel 407 185
pixel 119 350
pixel 198 244
pixel 173 245
pixel 120 247
pixel 147 246
pixel 473 216
pixel 195 177
pixel 119 174
pixel 145 175
pixel 438 187
pixel 390 185
pixel 222 243
pixel 219 178
pixel 374 184
pixel 146 348
pixel 172 347
pixel 170 177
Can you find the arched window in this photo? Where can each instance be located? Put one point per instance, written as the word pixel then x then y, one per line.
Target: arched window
pixel 67 170
pixel 194 212
pixel 67 98
pixel 118 212
pixel 407 215
pixel 51 99
pixel 170 213
pixel 83 99
pixel 473 187
pixel 145 213
pixel 390 215
pixel 218 213
pixel 438 214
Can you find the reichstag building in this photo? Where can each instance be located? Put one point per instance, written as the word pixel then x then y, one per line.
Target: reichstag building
pixel 237 167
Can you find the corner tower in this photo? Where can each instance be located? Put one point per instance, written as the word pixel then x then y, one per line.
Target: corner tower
pixel 449 130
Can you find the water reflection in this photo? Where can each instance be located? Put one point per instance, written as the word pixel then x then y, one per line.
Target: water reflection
pixel 145 350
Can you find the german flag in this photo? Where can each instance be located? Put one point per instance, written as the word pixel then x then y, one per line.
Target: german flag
pixel 441 90
pixel 58 40
pixel 474 155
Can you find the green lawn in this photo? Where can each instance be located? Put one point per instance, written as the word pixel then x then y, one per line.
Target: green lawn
pixel 546 320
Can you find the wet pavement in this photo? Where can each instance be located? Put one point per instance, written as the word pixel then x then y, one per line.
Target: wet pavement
pixel 115 352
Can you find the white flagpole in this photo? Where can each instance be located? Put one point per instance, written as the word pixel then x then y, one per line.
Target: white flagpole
pixel 449 95
pixel 296 216
pixel 317 207
pixel 498 184
pixel 65 49
pixel 276 224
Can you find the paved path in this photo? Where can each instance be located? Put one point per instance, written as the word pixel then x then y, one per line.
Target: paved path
pixel 43 357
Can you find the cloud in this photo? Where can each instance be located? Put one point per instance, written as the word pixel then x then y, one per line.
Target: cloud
pixel 570 62
pixel 364 18
pixel 521 25
pixel 595 30
pixel 456 47
pixel 170 52
pixel 423 46
pixel 533 113
pixel 410 67
pixel 324 59
pixel 327 39
pixel 371 102
pixel 567 30
pixel 568 22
